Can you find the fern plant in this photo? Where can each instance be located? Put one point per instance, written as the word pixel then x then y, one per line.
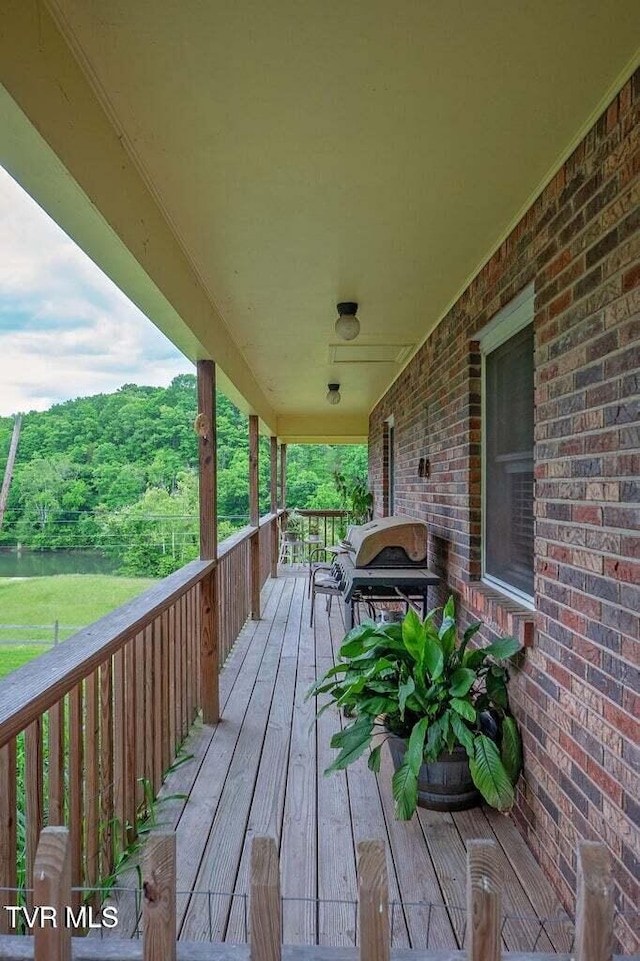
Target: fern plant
pixel 425 685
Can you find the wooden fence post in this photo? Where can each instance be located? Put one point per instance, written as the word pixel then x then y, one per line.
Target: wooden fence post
pixel 594 903
pixel 373 902
pixel 483 902
pixel 264 902
pixel 159 887
pixel 52 889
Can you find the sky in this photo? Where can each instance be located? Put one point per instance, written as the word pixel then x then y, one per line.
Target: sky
pixel 65 329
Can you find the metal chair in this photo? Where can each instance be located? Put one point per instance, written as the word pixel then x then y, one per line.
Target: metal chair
pixel 323 583
pixel 317 565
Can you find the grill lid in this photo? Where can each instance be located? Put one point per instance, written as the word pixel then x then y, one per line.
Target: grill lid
pixel 406 535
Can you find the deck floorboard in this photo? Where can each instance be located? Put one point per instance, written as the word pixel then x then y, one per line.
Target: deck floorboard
pixel 260 771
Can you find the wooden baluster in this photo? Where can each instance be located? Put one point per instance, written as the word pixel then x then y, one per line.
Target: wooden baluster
pixel 184 725
pixel 8 828
pixel 264 902
pixel 92 768
pixel 159 886
pixel 76 788
pixel 165 680
pixel 483 902
pixel 130 737
pixel 33 795
pixel 373 901
pixel 56 763
pixel 594 903
pixel 158 716
pixel 106 768
pixel 141 739
pixel 188 637
pixel 174 680
pixel 149 733
pixel 119 779
pixel 52 889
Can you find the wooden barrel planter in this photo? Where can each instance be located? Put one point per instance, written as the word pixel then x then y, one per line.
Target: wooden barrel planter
pixel 443 785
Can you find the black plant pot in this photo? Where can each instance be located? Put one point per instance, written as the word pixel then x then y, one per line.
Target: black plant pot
pixel 443 785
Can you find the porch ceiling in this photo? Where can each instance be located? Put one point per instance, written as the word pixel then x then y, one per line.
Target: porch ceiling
pixel 301 154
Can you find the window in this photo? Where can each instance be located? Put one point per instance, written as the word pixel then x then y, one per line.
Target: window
pixel 507 477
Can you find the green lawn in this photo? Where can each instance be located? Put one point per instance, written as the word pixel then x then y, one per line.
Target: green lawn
pixel 71 599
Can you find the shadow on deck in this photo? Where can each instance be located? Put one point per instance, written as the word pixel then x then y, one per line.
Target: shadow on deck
pixel 259 772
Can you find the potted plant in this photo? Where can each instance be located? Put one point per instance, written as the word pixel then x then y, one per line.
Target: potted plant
pixel 442 704
pixel 355 497
pixel 295 525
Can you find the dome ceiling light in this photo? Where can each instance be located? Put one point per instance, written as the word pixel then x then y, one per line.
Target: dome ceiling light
pixel 347 324
pixel 333 394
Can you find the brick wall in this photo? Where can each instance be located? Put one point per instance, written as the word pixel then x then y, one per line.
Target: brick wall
pixel 577 694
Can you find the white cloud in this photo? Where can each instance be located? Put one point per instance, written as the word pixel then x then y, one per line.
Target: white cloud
pixel 65 329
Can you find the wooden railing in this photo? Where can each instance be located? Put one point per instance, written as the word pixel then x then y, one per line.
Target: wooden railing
pixel 234 578
pixel 89 729
pixel 330 524
pixel 593 928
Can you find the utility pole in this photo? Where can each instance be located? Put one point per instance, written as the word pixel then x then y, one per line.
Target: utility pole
pixel 8 471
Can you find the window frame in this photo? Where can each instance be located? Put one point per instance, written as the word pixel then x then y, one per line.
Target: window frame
pixel 508 322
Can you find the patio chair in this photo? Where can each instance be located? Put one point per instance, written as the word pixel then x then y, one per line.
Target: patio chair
pixel 322 582
pixel 315 564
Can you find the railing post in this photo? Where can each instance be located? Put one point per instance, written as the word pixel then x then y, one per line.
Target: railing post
pixel 52 889
pixel 483 902
pixel 283 476
pixel 594 903
pixel 264 902
pixel 209 640
pixel 159 886
pixel 254 510
pixel 209 653
pixel 275 547
pixel 373 902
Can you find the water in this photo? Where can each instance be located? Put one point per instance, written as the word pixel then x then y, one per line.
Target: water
pixel 43 563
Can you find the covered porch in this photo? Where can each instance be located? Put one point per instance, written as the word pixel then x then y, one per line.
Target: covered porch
pixel 427 168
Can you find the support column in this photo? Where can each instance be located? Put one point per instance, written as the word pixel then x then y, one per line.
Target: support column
pixel 283 476
pixel 273 453
pixel 254 520
pixel 205 426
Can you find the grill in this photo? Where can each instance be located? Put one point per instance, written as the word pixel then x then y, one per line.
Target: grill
pixel 385 560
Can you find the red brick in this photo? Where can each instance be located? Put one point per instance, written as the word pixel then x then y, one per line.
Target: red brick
pixel 587 562
pixel 622 570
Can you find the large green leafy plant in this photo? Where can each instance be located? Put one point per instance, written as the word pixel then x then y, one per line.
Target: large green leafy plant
pixel 422 683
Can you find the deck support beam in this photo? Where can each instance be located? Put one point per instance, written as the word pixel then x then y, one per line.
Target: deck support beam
pixel 273 464
pixel 254 519
pixel 205 427
pixel 283 476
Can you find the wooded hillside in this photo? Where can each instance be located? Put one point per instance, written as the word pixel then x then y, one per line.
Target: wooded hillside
pixel 119 472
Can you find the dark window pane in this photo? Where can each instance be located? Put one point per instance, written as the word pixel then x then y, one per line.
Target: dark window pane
pixel 509 462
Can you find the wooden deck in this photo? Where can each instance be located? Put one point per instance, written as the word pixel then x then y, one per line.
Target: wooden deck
pixel 259 772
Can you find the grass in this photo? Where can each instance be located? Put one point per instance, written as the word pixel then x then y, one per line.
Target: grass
pixel 15 656
pixel 71 599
